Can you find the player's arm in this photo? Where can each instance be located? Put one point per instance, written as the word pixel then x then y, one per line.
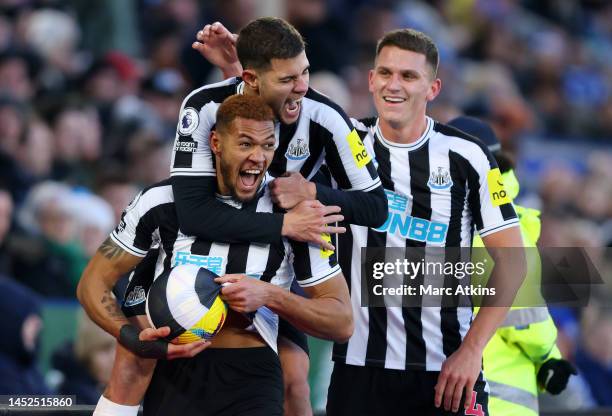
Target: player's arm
pixel 95 294
pixel 94 291
pixel 195 203
pixel 325 314
pixel 367 208
pixel 218 45
pixel 498 226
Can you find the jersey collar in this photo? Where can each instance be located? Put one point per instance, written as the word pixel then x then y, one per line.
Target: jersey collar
pixel 409 146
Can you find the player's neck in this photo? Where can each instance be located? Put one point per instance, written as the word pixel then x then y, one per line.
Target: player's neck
pixel 403 133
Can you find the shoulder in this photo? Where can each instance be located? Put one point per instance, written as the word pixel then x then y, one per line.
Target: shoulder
pixel 152 196
pixel 461 142
pixel 321 108
pixel 216 93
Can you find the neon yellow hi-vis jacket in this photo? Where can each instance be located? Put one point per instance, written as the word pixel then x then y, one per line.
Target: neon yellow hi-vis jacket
pixel 526 339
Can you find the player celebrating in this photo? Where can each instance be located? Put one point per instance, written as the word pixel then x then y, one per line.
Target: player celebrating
pixel 439 182
pixel 243 144
pixel 311 130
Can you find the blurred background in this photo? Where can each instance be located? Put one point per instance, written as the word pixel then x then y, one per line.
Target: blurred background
pixel 89 99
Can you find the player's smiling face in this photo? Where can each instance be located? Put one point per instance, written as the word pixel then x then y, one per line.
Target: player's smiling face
pixel 243 155
pixel 402 83
pixel 283 85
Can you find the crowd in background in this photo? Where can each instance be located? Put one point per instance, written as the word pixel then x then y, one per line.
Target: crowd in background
pixel 90 93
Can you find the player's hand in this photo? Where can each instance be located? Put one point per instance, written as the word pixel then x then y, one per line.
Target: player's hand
pixel 458 375
pixel 150 343
pixel 554 375
pixel 309 220
pixel 218 45
pixel 242 293
pixel 291 189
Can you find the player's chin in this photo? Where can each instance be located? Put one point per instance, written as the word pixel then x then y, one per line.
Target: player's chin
pixel 246 193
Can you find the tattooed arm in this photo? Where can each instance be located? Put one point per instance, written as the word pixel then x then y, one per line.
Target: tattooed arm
pixel 95 288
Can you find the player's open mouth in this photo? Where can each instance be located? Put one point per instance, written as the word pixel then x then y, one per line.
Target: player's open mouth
pixel 248 177
pixel 393 100
pixel 292 108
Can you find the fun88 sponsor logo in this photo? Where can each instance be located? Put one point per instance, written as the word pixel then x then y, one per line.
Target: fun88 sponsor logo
pixel 410 227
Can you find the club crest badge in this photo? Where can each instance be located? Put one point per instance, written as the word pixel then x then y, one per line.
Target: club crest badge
pixel 440 179
pixel 298 150
pixel 188 121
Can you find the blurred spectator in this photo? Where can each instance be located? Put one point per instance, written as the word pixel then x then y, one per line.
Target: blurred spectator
pixel 21 325
pixel 86 363
pixel 6 218
pixel 18 71
pixel 78 142
pixel 594 354
pixel 148 159
pixel 47 256
pixel 94 218
pixel 117 190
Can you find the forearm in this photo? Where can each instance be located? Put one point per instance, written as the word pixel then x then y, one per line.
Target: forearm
pixel 360 208
pixel 95 294
pixel 507 276
pixel 327 317
pixel 196 204
pixel 484 326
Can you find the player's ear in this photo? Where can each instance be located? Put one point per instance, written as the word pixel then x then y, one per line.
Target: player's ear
pixel 215 142
pixel 434 89
pixel 251 78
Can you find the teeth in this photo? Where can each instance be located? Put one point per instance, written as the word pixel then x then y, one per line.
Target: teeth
pixel 394 99
pixel 252 172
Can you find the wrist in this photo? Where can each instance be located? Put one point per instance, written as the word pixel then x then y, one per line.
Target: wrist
pixel 474 344
pixel 311 191
pixel 274 298
pixel 232 70
pixel 286 230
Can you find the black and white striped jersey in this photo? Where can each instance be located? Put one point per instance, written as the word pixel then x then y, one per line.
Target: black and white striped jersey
pixel 323 133
pixel 440 188
pixel 151 219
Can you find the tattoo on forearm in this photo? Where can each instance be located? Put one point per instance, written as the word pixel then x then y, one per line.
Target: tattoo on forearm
pixel 110 304
pixel 110 250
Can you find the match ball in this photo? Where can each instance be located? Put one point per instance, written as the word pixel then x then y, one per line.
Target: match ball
pixel 187 299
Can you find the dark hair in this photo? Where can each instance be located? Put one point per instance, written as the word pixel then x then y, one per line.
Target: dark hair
pixel 251 107
pixel 265 39
pixel 414 41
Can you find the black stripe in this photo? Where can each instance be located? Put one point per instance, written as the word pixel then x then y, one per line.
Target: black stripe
pixel 458 173
pixel 276 254
pixel 317 137
pixel 473 180
pixel 237 256
pixel 167 222
pixel 334 161
pixel 147 224
pixel 368 121
pixel 449 319
pixel 301 264
pixel 344 248
pixel 383 156
pixel 279 162
pixel 377 324
pixel 507 211
pixel 201 247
